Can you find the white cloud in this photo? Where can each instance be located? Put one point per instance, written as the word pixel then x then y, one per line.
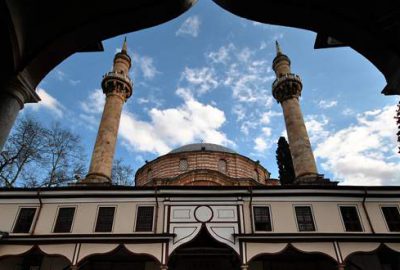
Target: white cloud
pixel 266 116
pixel 316 127
pixel 260 144
pixel 194 120
pixel 326 104
pixel 146 65
pixel 74 82
pixel 221 55
pixel 190 26
pixel 348 112
pixel 59 74
pixel 47 102
pixel 364 153
pixel 201 79
pixel 94 103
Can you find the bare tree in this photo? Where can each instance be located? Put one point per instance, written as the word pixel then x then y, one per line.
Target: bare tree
pixel 35 156
pixel 63 156
pixel 122 174
pixel 24 146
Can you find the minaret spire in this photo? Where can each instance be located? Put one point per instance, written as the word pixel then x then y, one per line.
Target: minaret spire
pixel 118 87
pixel 278 48
pixel 286 89
pixel 124 47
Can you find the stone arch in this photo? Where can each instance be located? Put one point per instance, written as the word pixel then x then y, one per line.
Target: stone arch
pixel 118 258
pixel 292 258
pixel 377 258
pixel 205 251
pixel 35 257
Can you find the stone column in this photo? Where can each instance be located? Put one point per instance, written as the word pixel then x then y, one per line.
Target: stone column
pixel 103 153
pixel 341 266
pixel 163 267
pixel 244 267
pixel 299 143
pixel 286 89
pixel 12 99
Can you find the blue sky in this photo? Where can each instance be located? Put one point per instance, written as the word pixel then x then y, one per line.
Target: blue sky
pixel 206 76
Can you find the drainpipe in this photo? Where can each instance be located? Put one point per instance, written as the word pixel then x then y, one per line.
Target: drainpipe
pixel 157 206
pixel 251 209
pixel 366 211
pixel 38 214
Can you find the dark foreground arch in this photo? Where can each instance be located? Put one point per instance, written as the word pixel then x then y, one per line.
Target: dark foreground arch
pixel 119 259
pixel 371 29
pixel 292 259
pixel 204 253
pixel 34 259
pixel 383 258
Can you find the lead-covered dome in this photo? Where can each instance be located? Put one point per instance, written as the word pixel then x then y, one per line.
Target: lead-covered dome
pixel 202 147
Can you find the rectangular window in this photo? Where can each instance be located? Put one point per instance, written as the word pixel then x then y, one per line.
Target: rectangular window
pixel 24 220
pixel 262 218
pixel 105 219
pixel 350 219
pixel 144 219
pixel 392 217
pixel 64 220
pixel 304 217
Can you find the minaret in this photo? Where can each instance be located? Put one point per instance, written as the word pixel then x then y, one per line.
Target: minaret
pixel 117 86
pixel 286 89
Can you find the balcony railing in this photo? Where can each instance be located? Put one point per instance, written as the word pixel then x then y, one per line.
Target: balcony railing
pixel 288 76
pixel 119 76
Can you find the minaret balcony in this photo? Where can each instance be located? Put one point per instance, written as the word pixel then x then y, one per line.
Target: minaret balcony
pixel 118 76
pixel 288 76
pixel 286 87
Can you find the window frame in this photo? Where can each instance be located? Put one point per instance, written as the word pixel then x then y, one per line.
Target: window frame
pixel 17 216
pixel 181 160
pixel 253 221
pixel 220 161
pixel 136 218
pixel 384 218
pixel 358 215
pixel 97 216
pixel 56 218
pixel 312 217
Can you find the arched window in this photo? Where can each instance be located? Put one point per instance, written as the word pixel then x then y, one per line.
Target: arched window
pixel 256 175
pixel 183 164
pixel 222 165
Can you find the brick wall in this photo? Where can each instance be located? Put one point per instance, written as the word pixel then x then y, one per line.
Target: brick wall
pixel 167 167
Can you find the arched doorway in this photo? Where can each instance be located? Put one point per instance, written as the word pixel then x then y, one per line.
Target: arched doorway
pixel 204 253
pixel 381 259
pixel 34 259
pixel 293 259
pixel 119 259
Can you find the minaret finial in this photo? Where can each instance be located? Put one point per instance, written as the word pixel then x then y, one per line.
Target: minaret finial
pixel 124 46
pixel 278 48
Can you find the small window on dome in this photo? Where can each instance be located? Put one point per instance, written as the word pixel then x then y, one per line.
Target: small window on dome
pixel 183 164
pixel 256 176
pixel 149 175
pixel 222 165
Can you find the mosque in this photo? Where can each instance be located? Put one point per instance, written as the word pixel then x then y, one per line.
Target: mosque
pixel 201 206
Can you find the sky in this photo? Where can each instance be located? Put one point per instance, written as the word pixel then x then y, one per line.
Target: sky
pixel 206 77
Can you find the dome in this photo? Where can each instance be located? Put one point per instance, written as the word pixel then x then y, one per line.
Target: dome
pixel 202 147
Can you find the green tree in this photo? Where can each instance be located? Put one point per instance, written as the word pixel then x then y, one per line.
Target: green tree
pixel 285 163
